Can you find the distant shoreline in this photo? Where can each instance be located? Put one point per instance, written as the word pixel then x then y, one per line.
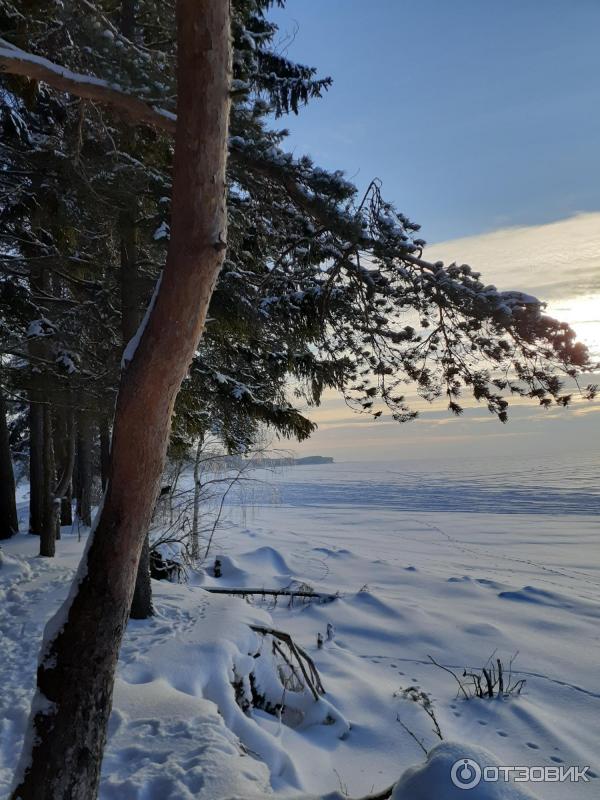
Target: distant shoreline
pixel 294 462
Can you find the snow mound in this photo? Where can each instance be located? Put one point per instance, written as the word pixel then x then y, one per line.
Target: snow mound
pixel 268 559
pixel 231 572
pixel 262 567
pixel 366 600
pixel 209 660
pixel 432 779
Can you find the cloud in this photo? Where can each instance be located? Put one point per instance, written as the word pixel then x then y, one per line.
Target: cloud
pixel 556 261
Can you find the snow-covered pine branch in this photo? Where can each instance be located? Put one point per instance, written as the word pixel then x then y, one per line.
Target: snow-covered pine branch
pixel 15 61
pixel 273 165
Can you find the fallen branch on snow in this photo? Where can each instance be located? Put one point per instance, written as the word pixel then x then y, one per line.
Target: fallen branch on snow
pixel 328 598
pixel 311 676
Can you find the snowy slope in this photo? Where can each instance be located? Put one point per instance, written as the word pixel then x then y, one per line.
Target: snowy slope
pixel 456 586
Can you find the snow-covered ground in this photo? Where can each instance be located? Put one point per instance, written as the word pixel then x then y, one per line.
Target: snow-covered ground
pixel 457 584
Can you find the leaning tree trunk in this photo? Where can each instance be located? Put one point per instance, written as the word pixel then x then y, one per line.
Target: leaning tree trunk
pixel 9 521
pixel 67 729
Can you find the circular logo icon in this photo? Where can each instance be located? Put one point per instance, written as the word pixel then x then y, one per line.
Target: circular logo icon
pixel 465 773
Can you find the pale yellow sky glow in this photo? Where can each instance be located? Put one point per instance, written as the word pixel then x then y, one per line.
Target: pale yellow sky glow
pixel 557 262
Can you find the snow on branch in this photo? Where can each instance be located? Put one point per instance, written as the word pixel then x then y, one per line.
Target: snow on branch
pixel 300 180
pixel 15 61
pixel 271 165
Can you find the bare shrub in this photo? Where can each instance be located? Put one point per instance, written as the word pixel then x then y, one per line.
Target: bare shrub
pixel 494 679
pixel 187 517
pixel 416 695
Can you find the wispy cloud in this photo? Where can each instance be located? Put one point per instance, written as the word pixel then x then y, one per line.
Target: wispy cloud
pixel 559 260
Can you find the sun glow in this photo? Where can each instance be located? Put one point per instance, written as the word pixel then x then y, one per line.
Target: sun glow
pixel 583 314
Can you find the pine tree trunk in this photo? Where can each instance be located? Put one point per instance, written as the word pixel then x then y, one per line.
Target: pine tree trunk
pixel 75 676
pixel 127 21
pixel 64 456
pixel 141 605
pixel 66 506
pixel 172 493
pixel 9 521
pixel 59 438
pixel 50 512
pixel 63 492
pixel 36 465
pixel 84 468
pixel 195 554
pixel 38 395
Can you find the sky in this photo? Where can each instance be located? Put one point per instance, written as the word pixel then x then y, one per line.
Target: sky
pixel 482 119
pixel 475 114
